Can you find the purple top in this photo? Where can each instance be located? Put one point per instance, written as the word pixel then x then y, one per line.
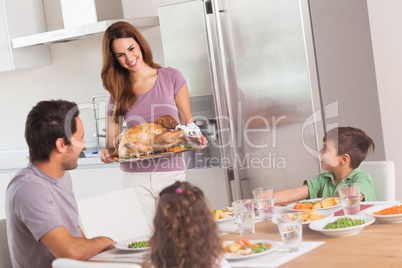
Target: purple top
pixel 36 204
pixel 158 101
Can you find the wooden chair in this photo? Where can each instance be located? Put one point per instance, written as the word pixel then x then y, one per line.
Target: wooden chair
pixel 5 259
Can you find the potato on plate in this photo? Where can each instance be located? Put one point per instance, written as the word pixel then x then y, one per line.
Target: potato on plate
pixel 311 215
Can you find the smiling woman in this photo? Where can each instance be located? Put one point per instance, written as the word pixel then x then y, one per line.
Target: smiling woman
pixel 141 91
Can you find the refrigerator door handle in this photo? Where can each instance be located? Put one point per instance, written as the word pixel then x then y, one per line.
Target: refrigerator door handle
pixel 222 95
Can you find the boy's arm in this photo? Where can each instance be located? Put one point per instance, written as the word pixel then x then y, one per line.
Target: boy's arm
pixel 290 195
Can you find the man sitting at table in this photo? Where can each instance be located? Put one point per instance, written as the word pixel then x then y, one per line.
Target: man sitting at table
pixel 41 210
pixel 343 150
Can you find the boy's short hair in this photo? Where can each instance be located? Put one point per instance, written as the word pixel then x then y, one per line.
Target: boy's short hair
pixel 351 141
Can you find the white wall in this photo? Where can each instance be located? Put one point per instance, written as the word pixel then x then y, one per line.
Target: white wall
pixel 74 75
pixel 386 32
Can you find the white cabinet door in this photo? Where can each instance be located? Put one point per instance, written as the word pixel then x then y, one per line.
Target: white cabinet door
pixel 5 179
pixel 212 182
pixel 93 181
pixel 21 18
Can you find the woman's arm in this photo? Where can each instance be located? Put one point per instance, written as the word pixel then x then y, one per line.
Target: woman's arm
pixel 183 103
pixel 113 129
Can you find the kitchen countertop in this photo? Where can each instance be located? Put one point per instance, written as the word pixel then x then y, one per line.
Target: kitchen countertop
pixel 14 160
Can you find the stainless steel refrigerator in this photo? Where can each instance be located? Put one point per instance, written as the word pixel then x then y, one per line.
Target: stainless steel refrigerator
pixel 255 59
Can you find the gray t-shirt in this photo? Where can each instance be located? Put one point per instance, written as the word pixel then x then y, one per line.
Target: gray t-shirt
pixel 158 101
pixel 36 204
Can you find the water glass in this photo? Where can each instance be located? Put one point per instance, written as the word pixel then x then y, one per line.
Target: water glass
pixel 244 213
pixel 264 201
pixel 349 194
pixel 290 228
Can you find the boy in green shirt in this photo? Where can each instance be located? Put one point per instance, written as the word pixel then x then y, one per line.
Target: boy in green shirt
pixel 343 150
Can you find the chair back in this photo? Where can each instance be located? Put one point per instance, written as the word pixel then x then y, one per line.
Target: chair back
pixel 69 263
pixel 383 175
pixel 116 214
pixel 5 259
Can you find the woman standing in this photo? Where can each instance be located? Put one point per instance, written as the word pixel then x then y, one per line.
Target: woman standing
pixel 141 91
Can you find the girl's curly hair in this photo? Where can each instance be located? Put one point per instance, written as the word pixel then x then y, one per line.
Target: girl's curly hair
pixel 185 234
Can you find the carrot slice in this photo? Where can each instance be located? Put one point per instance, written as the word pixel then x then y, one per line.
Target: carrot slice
pixel 389 211
pixel 176 149
pixel 246 242
pixel 303 206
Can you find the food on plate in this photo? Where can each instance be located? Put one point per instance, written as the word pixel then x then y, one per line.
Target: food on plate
pixel 389 211
pixel 303 206
pixel 147 138
pixel 311 215
pixel 221 214
pixel 139 244
pixel 344 223
pixel 327 202
pixel 244 247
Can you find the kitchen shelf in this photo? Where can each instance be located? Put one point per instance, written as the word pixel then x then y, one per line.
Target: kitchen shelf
pixel 79 32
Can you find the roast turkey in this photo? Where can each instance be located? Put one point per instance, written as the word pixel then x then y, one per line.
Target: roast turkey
pixel 146 138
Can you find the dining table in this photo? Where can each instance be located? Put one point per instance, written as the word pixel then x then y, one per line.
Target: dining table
pixel 377 245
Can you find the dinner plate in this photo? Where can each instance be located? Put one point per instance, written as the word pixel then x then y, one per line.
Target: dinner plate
pixel 152 156
pixel 123 245
pixel 229 215
pixel 386 218
pixel 233 257
pixel 290 206
pixel 326 213
pixel 319 225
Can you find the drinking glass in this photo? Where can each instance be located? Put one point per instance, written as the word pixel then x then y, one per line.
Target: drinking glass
pixel 290 228
pixel 264 201
pixel 244 213
pixel 349 194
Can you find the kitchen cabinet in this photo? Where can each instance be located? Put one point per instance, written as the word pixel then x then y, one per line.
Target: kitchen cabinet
pixel 212 182
pixel 21 18
pixel 5 179
pixel 95 180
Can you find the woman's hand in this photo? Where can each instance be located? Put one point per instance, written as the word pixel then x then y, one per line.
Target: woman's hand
pixel 104 156
pixel 203 142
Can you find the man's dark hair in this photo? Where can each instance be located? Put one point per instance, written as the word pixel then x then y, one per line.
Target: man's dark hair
pixel 46 123
pixel 351 141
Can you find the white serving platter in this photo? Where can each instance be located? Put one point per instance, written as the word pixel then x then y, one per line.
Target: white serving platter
pixel 385 218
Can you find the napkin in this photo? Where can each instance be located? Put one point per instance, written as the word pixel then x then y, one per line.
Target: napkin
pixel 342 213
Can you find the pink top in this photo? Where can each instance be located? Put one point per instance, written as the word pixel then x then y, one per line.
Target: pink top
pixel 158 101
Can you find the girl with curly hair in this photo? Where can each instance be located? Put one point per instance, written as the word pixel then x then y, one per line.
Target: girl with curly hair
pixel 185 234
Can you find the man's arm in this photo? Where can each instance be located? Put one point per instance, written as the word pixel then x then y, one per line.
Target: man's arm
pixel 62 244
pixel 290 195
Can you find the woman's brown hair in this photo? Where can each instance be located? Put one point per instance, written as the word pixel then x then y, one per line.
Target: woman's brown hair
pixel 116 79
pixel 185 234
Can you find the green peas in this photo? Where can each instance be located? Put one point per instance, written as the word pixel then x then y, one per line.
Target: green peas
pixel 138 244
pixel 344 223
